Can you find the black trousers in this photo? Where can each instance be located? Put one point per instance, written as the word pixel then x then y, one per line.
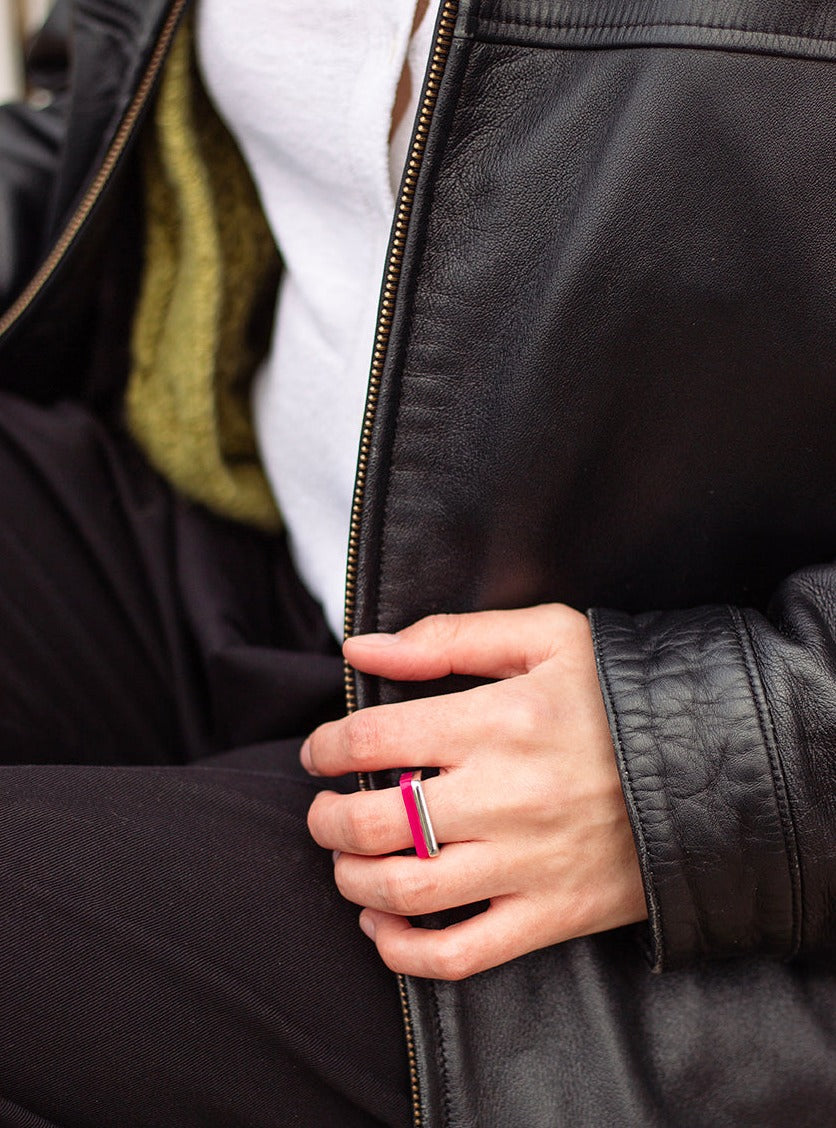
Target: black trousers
pixel 173 951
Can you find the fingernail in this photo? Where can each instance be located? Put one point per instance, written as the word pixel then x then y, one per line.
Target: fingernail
pixel 305 758
pixel 336 855
pixel 367 925
pixel 380 639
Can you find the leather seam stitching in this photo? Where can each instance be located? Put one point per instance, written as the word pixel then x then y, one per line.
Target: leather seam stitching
pixel 396 428
pixel 379 582
pixel 767 729
pixel 517 21
pixel 656 924
pixel 442 1045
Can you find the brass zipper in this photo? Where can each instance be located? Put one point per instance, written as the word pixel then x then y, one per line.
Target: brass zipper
pixel 392 275
pixel 111 159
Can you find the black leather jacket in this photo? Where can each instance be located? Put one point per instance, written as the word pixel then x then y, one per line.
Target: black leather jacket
pixel 606 374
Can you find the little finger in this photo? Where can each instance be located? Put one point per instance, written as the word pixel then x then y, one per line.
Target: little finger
pixel 493 937
pixel 462 874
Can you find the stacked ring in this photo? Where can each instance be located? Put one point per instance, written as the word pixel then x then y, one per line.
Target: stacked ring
pixel 423 835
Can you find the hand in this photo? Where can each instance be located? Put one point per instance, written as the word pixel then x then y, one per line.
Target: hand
pixel 528 801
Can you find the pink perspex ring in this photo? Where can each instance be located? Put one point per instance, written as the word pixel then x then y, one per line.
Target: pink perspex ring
pixel 420 823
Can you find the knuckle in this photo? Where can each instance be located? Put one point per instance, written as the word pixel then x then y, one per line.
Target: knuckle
pixel 441 628
pixel 397 894
pixel 572 622
pixel 528 716
pixel 425 889
pixel 352 830
pixel 560 612
pixel 455 961
pixel 362 738
pixel 564 627
pixel 363 828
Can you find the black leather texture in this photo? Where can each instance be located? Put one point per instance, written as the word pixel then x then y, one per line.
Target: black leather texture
pixel 611 381
pixel 72 339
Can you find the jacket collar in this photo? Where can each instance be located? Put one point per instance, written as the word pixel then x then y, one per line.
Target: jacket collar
pixel 110 48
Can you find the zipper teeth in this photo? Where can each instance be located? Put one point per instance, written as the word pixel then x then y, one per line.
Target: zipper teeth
pixel 441 49
pixel 403 211
pixel 438 60
pixel 93 193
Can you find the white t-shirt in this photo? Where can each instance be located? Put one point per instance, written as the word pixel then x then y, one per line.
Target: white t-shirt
pixel 308 92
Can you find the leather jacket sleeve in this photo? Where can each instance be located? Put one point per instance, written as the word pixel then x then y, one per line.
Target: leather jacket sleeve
pixel 30 149
pixel 724 722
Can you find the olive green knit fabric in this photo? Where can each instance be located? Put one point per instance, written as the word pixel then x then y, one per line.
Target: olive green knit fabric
pixel 204 311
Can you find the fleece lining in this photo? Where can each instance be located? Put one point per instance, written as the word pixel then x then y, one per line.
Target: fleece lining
pixel 203 317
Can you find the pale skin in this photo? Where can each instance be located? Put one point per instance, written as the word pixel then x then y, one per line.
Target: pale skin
pixel 528 804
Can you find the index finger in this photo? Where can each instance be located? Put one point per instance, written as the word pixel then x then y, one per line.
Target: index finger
pixel 434 732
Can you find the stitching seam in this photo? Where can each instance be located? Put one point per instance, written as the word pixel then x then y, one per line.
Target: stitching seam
pixel 396 430
pixel 517 21
pixel 445 1073
pixel 656 910
pixel 778 783
pixel 382 556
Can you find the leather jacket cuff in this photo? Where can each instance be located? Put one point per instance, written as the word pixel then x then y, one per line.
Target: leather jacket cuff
pixel 702 783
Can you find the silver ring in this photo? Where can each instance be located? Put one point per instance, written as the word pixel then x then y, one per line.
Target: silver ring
pixel 420 823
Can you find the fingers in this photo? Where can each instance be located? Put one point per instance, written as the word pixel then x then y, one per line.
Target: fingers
pixel 464 807
pixel 375 822
pixel 491 938
pixel 491 644
pixel 463 873
pixel 528 801
pixel 440 731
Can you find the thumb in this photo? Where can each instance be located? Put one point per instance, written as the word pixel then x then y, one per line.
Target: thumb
pixel 491 644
